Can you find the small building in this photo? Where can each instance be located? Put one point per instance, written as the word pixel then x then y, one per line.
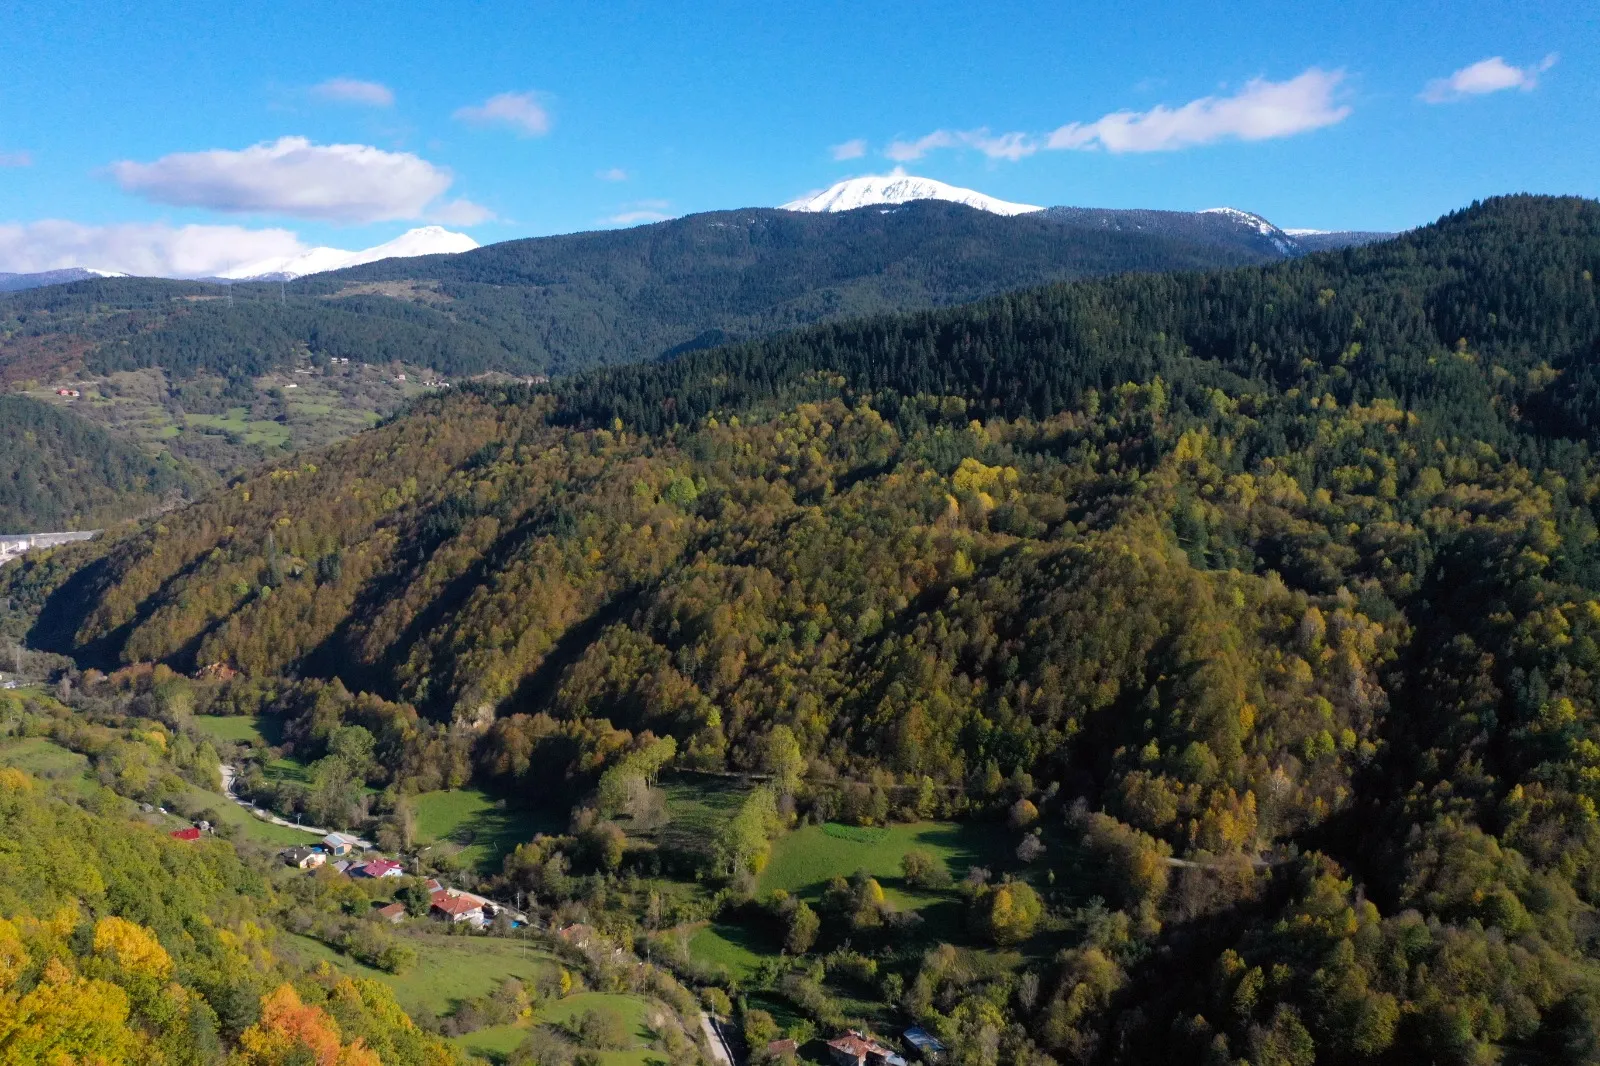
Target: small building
pixel 192 833
pixel 856 1049
pixel 927 1047
pixel 344 866
pixel 782 1049
pixel 394 913
pixel 339 844
pixel 303 858
pixel 456 908
pixel 378 868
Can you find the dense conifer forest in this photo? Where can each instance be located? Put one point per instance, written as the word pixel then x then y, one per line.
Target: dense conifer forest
pixel 1261 606
pixel 63 472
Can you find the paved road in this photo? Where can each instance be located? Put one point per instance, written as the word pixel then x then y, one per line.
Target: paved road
pixel 268 816
pixel 719 1046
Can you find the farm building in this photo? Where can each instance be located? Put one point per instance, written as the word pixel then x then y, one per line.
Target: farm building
pixel 928 1047
pixel 854 1049
pixel 339 844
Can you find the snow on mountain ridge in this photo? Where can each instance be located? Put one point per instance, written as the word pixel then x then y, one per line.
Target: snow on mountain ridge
pixel 899 188
pixel 1279 238
pixel 424 240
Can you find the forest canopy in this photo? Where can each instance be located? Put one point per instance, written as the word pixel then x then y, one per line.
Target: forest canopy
pixel 1277 590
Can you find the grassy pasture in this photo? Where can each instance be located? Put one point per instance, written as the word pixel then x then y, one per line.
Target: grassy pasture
pixel 258 730
pixel 449 969
pixel 471 818
pixel 804 860
pixel 43 758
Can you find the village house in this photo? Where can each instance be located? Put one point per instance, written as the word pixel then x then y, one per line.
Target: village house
pixel 378 868
pixel 394 913
pixel 339 844
pixel 855 1049
pixel 303 858
pixel 457 907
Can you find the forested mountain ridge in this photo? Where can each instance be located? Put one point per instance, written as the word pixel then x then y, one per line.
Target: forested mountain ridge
pixel 1225 567
pixel 62 472
pixel 558 304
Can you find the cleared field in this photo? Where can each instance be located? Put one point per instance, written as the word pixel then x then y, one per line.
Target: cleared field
pixel 803 861
pixel 633 1011
pixel 483 828
pixel 246 825
pixel 238 729
pixel 498 1042
pixel 449 969
pixel 733 949
pixel 43 757
pixel 699 807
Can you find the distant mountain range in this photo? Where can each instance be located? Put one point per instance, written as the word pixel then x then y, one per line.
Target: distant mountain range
pixel 425 240
pixel 900 188
pixel 39 279
pixel 1224 226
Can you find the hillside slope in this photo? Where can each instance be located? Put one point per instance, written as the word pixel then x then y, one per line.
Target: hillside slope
pixel 557 304
pixel 1289 574
pixel 60 472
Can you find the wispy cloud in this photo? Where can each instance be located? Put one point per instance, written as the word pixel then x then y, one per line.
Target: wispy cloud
pixel 16 159
pixel 612 174
pixel 355 91
pixel 640 211
pixel 1009 146
pixel 1261 111
pixel 461 213
pixel 292 176
pixel 149 249
pixel 1490 75
pixel 852 149
pixel 520 111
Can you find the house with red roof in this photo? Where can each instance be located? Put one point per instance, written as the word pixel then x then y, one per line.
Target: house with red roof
pixel 456 908
pixel 394 913
pixel 379 868
pixel 856 1049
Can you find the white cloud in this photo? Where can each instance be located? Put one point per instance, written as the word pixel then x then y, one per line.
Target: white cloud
pixel 292 176
pixel 355 91
pixel 640 211
pixel 1490 75
pixel 521 111
pixel 852 149
pixel 16 159
pixel 1262 110
pixel 461 213
pixel 613 174
pixel 907 151
pixel 1009 146
pixel 144 248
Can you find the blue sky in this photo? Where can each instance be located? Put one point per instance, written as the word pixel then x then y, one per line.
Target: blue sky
pixel 128 122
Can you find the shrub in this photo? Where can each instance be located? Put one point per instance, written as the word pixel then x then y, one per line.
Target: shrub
pixel 1006 913
pixel 923 869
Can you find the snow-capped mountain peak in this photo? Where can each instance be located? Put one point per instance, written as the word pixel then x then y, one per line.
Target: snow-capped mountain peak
pixel 1278 237
pixel 424 240
pixel 899 188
